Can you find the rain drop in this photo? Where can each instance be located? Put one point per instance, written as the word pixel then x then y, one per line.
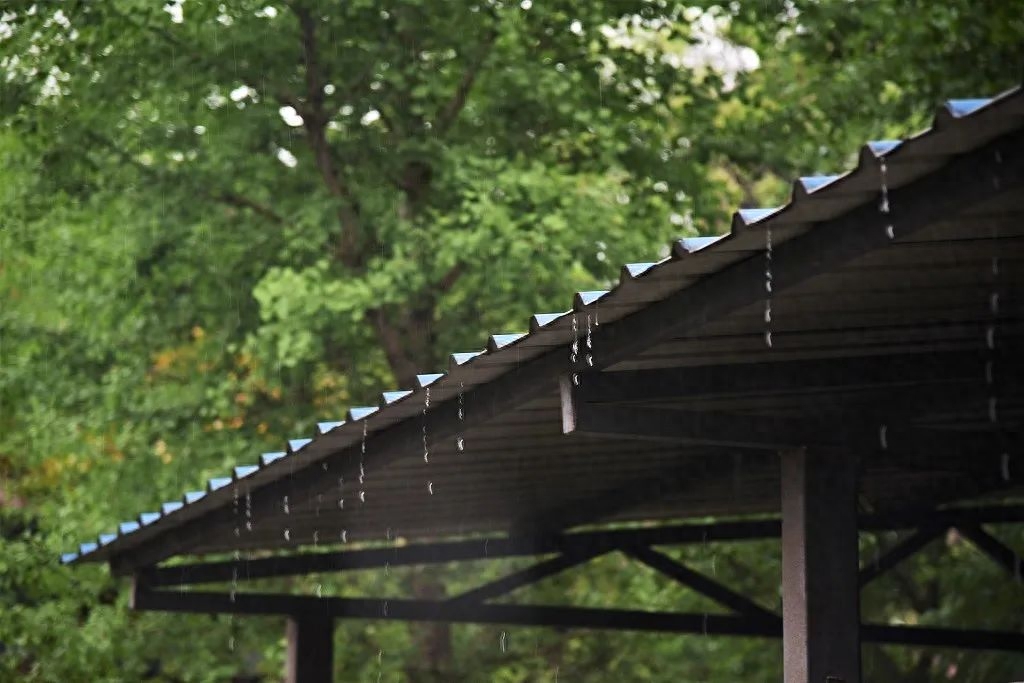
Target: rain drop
pixel 503 641
pixel 768 277
pixel 287 534
pixel 430 487
pixel 362 496
pixel 1005 466
pixel 344 536
pixel 883 437
pixel 460 444
pixel 284 505
pixel 883 204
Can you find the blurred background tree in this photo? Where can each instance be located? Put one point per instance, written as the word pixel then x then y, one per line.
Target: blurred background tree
pixel 221 222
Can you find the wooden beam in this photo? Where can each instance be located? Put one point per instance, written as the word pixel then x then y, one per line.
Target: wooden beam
pixel 907 547
pixel 700 583
pixel 965 181
pixel 310 657
pixel 820 591
pixel 1002 554
pixel 525 577
pixel 202 602
pixel 525 546
pixel 697 428
pixel 788 377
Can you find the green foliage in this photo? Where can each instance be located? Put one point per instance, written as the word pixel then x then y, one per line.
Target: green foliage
pixel 217 230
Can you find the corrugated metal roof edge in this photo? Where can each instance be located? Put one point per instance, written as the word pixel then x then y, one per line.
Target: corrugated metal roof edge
pixel 951 114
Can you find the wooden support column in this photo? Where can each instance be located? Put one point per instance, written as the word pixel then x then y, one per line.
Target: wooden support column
pixel 310 649
pixel 820 587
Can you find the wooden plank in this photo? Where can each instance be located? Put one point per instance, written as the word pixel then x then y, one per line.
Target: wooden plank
pixel 203 602
pixel 699 583
pixel 794 376
pixel 1002 554
pixel 310 657
pixel 820 591
pixel 903 550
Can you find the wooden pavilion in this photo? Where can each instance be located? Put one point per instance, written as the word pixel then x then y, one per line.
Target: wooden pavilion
pixel 847 363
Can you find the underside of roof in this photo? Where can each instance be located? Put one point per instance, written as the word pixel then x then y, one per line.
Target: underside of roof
pixel 914 262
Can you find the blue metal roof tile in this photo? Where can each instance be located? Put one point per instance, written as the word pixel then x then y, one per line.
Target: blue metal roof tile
pixel 688 245
pixel 360 412
pixel 960 108
pixel 86 548
pixel 147 518
pixel 816 182
pixel 498 341
pixel 218 483
pixel 243 471
pixel 632 270
pixel 882 147
pixel 267 458
pixel 586 298
pixel 126 528
pixel 464 357
pixel 172 506
pixel 756 215
pixel 68 558
pixel 427 380
pixel 539 320
pixel 392 396
pixel 296 445
pixel 192 496
pixel 105 539
pixel 324 427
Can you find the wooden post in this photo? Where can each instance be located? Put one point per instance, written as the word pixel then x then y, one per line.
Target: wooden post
pixel 820 589
pixel 310 649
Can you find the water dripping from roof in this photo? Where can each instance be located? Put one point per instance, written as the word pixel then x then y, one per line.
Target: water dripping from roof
pixel 768 279
pixel 883 204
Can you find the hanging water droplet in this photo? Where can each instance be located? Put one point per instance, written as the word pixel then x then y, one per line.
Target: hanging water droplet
pixel 883 204
pixel 576 378
pixel 768 277
pixel 319 590
pixel 430 487
pixel 590 360
pixel 362 496
pixel 344 536
pixel 460 443
pixel 883 437
pixel 362 473
pixel 287 534
pixel 285 506
pixel 890 231
pixel 503 641
pixel 341 503
pixel 316 538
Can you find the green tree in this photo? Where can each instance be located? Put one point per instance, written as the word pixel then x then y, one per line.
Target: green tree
pixel 220 222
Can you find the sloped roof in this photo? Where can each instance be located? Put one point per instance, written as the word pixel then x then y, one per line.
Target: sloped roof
pixel 958 127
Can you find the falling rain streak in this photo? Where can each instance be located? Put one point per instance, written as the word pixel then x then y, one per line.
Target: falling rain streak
pixel 460 441
pixel 883 204
pixel 362 464
pixel 768 287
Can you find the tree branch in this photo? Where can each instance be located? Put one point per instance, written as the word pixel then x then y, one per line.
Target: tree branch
pixel 234 199
pixel 315 122
pixel 450 113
